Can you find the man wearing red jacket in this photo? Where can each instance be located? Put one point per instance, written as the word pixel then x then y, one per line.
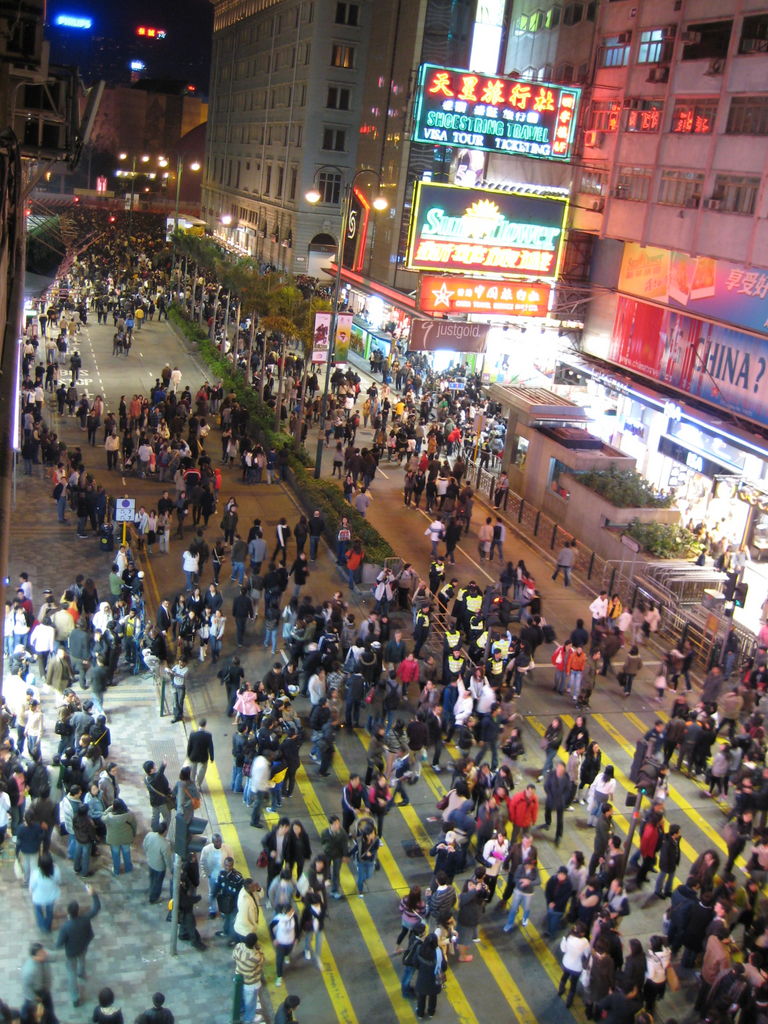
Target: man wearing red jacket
pixel 523 811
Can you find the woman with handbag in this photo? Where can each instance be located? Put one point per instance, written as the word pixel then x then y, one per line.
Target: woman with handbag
pixel 187 795
pixel 657 968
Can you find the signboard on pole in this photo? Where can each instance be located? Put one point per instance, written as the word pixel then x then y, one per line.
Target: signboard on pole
pixel 125 510
pixel 495 114
pixel 322 334
pixel 454 293
pixel 519 233
pixel 429 335
pixel 321 339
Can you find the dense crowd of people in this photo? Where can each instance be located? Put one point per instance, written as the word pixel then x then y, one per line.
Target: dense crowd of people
pixel 431 676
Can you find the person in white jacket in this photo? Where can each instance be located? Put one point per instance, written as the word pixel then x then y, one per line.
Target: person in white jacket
pixel 657 958
pixel 212 862
pixel 495 852
pixel 573 946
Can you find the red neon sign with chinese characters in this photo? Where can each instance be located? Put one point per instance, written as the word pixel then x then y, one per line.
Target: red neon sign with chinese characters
pixel 689 122
pixel 456 294
pixel 495 114
pixel 150 33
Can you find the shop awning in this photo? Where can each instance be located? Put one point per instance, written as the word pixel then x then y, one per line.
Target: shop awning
pixel 401 300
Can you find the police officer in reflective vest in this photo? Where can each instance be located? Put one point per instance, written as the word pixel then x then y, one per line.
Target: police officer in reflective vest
pixel 421 629
pixel 436 574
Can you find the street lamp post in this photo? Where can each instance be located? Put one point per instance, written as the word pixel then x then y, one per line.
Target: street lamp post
pixel 195 166
pixel 314 196
pixel 144 160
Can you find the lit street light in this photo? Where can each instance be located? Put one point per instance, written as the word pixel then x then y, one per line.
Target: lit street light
pixel 314 196
pixel 194 166
pixel 144 160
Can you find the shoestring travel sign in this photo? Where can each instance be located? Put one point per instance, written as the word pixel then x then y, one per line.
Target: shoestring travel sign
pixel 494 113
pixel 454 293
pixel 517 231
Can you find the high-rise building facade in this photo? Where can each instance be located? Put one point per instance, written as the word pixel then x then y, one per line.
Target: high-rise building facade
pixel 284 117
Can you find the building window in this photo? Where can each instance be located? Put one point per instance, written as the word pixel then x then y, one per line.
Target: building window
pixel 708 40
pixel 593 183
pixel 590 12
pixel 748 116
pixel 573 14
pixel 694 117
pixel 334 138
pixel 268 180
pixel 643 115
pixel 280 181
pixel 535 22
pixel 754 34
pixel 634 184
pixel 342 56
pixel 552 18
pixel 337 98
pixel 565 73
pixel 521 25
pixel 654 46
pixel 292 183
pixel 298 135
pixel 680 188
pixel 329 187
pixel 347 14
pixel 737 193
pixel 614 51
pixel 604 116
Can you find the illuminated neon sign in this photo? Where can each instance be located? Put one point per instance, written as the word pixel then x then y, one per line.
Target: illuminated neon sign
pixel 73 21
pixel 518 233
pixel 138 65
pixel 150 33
pixel 457 294
pixel 495 114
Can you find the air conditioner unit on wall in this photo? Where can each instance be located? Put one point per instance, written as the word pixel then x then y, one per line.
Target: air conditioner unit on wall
pixel 690 37
pixel 624 37
pixel 713 204
pixel 599 205
pixel 594 140
pixel 716 67
pixel 659 74
pixel 753 46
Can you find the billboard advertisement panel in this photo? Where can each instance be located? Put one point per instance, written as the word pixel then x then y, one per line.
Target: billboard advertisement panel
pixel 494 114
pixel 519 232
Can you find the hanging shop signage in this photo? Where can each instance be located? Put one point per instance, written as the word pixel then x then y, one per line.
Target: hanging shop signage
pixel 455 294
pixel 707 287
pixel 719 365
pixel 518 232
pixel 322 334
pixel 429 335
pixel 495 114
pixel 690 459
pixel 353 250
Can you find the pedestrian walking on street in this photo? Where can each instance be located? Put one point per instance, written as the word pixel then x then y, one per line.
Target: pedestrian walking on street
pixel 74 937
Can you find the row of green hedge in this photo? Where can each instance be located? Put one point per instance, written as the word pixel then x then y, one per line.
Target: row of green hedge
pixel 624 488
pixel 312 493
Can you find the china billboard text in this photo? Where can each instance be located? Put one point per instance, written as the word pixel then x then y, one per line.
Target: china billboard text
pixel 722 366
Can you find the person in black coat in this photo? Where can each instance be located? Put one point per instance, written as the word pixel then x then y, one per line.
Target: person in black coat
pixel 694 935
pixel 557 786
pixel 429 964
pixel 669 858
pixel 297 849
pixel 242 610
pixel 74 937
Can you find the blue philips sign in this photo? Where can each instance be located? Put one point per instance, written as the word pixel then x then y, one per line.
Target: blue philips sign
pixel 73 21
